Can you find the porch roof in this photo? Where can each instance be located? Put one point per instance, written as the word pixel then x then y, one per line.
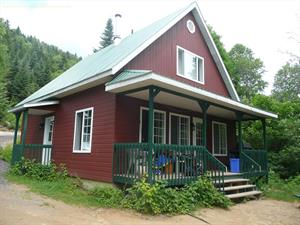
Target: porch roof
pixel 32 107
pixel 136 82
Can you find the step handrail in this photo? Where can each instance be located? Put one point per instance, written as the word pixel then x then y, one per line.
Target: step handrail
pixel 252 160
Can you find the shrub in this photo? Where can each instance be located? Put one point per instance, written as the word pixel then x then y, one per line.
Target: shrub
pixel 203 193
pixel 107 196
pixel 38 171
pixel 159 199
pixel 6 153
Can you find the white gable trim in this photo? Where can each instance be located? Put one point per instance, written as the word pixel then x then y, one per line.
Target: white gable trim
pixel 31 105
pixel 207 37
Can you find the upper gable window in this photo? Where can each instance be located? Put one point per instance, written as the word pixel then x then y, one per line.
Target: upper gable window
pixel 190 26
pixel 190 65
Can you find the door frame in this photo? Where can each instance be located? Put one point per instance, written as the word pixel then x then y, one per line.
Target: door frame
pixel 141 122
pixel 45 152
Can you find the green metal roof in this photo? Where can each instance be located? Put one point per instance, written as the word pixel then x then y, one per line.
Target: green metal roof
pixel 128 74
pixel 102 61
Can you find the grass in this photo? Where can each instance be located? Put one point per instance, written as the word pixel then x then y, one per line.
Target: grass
pixel 66 190
pixel 6 153
pixel 283 190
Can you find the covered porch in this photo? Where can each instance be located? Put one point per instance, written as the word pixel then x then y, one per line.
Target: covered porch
pixel 39 147
pixel 179 163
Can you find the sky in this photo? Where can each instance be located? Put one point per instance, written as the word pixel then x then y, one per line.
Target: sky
pixel 271 28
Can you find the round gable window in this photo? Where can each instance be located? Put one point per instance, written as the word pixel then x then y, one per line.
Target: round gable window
pixel 190 26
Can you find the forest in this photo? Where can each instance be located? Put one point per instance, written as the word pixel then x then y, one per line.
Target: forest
pixel 26 64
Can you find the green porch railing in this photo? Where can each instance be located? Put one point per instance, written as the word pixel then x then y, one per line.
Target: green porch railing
pixel 175 164
pixel 41 153
pixel 253 163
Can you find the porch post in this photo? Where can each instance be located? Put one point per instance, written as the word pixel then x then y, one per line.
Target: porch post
pixel 264 134
pixel 17 115
pixel 239 117
pixel 24 130
pixel 152 93
pixel 204 106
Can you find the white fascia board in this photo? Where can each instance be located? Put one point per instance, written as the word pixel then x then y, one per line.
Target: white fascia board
pixel 215 53
pixel 143 46
pixel 158 80
pixel 32 105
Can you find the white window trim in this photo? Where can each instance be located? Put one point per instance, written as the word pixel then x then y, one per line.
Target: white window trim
pixel 213 147
pixel 182 75
pixel 189 126
pixel 91 135
pixel 141 123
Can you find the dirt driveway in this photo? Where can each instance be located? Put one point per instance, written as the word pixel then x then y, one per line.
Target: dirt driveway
pixel 19 206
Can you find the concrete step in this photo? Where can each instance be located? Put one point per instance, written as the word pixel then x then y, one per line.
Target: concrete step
pixel 239 187
pixel 244 194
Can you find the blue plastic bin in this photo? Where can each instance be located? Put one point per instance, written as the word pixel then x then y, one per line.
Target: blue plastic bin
pixel 235 165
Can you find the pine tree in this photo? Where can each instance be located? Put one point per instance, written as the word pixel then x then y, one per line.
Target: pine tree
pixel 107 37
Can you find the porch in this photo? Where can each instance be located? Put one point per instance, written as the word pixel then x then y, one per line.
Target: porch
pixel 176 163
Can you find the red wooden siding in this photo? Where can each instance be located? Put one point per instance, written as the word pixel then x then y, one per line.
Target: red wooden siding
pixel 128 119
pixel 97 164
pixel 35 131
pixel 160 57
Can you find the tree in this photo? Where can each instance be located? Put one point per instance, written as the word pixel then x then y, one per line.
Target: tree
pixel 3 73
pixel 287 82
pixel 224 54
pixel 107 37
pixel 249 71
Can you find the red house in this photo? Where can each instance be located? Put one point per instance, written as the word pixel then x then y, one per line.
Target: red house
pixel 159 103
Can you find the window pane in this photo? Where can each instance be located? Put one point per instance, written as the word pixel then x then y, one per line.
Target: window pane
pixel 78 130
pixel 159 128
pixel 181 61
pixel 216 139
pixel 200 70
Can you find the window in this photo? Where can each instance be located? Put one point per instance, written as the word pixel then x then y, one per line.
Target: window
pixel 219 138
pixel 190 65
pixel 197 131
pixel 190 26
pixel 179 129
pixel 83 130
pixel 159 126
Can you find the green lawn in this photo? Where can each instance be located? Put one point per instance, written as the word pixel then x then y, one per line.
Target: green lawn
pixel 67 190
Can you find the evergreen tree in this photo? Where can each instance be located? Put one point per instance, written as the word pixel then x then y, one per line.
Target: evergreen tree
pixel 107 37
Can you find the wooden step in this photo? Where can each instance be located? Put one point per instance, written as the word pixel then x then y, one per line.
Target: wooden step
pixel 238 187
pixel 236 180
pixel 244 194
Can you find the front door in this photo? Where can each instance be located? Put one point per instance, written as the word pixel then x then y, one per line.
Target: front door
pixel 197 131
pixel 48 134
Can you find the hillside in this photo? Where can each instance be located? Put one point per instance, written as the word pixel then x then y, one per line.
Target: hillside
pixel 26 64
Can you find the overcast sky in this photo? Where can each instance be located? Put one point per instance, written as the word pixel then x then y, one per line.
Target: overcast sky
pixel 269 28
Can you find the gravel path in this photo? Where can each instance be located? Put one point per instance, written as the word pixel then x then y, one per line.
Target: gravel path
pixel 19 206
pixel 3 169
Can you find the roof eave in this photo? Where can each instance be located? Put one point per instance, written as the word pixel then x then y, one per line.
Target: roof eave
pixel 152 78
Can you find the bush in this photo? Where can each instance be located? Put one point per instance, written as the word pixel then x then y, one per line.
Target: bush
pixel 6 153
pixel 281 189
pixel 158 199
pixel 107 196
pixel 205 194
pixel 286 162
pixel 38 171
